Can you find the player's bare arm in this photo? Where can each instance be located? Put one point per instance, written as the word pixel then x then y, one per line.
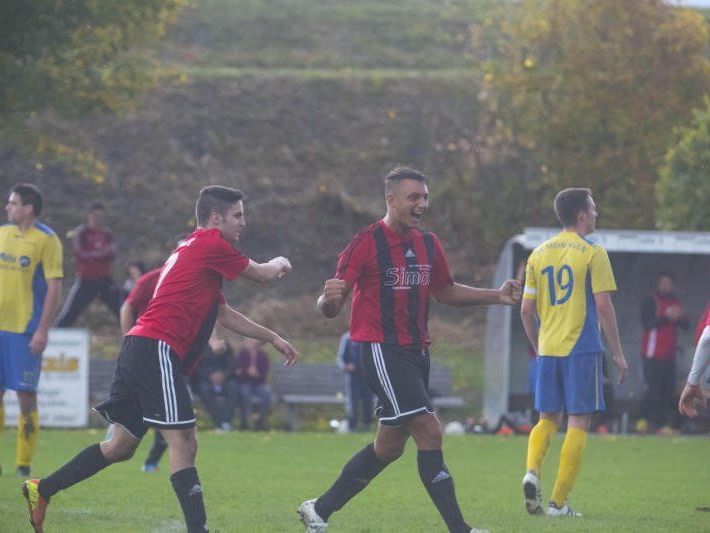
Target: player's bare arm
pixel 335 293
pixel 39 339
pixel 277 267
pixel 528 315
pixel 126 317
pixel 607 320
pixel 459 295
pixel 234 321
pixel 693 394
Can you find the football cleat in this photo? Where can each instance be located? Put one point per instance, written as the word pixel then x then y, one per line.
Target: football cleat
pixel 533 495
pixel 36 503
pixel 310 518
pixel 565 510
pixel 149 467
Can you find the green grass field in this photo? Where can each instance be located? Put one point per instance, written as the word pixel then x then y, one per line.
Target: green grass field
pixel 254 482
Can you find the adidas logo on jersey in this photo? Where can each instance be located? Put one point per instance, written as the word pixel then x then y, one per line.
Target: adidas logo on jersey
pixel 410 253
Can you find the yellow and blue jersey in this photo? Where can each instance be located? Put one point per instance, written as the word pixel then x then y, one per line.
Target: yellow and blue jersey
pixel 562 275
pixel 27 260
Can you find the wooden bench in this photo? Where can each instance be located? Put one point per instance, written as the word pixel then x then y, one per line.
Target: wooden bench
pixel 325 384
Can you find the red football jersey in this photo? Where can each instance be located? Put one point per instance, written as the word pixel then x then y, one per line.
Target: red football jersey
pixel 143 290
pixel 87 242
pixel 392 276
pixel 188 289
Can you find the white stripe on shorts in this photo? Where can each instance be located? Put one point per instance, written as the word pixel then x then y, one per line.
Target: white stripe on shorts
pixel 379 361
pixel 173 395
pixel 169 399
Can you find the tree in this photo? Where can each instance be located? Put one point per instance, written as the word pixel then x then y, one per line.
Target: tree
pixel 589 92
pixel 683 190
pixel 74 57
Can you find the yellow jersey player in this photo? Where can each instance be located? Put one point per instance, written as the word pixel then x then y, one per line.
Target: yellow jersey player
pixel 30 284
pixel 567 296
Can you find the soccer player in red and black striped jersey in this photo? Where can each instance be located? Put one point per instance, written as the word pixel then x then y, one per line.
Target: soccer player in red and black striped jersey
pixel 149 388
pixel 392 267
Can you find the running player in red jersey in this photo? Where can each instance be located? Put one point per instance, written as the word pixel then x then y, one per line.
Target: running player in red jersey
pixel 149 388
pixel 392 268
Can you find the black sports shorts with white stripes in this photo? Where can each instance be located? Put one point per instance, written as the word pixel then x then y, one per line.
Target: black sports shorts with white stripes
pixel 149 389
pixel 399 376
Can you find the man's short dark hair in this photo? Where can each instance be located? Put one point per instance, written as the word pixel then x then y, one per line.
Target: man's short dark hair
pixel 571 202
pixel 96 206
pixel 215 199
pixel 29 194
pixel 403 173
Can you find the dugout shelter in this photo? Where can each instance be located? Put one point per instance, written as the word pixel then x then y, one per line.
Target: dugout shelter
pixel 637 257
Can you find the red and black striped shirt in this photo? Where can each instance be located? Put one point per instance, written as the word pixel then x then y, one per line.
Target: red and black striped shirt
pixel 392 276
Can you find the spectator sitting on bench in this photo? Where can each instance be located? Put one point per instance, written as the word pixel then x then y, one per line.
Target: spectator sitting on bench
pixel 213 385
pixel 251 371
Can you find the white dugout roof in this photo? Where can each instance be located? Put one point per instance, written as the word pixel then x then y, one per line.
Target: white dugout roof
pixel 636 257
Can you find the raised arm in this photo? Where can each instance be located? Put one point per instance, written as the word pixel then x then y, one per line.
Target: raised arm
pixel 234 321
pixel 458 295
pixel 333 298
pixel 277 267
pixel 607 319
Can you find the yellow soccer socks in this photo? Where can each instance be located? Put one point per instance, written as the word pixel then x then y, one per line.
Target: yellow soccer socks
pixel 539 442
pixel 27 431
pixel 570 461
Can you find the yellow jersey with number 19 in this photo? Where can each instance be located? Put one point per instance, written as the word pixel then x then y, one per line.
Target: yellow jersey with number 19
pixel 27 260
pixel 562 275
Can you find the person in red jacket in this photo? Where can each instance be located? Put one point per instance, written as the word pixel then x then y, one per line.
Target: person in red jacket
pixel 94 251
pixel 661 315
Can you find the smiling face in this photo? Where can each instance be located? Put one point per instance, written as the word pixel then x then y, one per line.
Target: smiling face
pixel 231 224
pixel 407 203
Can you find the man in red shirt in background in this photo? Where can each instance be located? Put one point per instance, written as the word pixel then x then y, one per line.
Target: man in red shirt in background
pixel 94 251
pixel 150 383
pixel 392 269
pixel 661 316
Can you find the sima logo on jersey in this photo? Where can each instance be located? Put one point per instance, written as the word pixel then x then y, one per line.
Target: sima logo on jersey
pixel 406 277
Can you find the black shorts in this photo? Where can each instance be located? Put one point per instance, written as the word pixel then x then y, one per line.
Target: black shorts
pixel 399 376
pixel 149 389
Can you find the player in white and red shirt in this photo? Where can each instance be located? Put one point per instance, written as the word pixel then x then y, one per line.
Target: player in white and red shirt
pixel 149 388
pixel 693 392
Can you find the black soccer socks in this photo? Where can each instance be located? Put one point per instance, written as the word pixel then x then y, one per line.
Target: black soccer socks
pixel 356 474
pixel 86 463
pixel 189 492
pixel 440 486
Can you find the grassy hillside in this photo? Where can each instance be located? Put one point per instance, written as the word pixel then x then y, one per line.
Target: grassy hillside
pixel 325 34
